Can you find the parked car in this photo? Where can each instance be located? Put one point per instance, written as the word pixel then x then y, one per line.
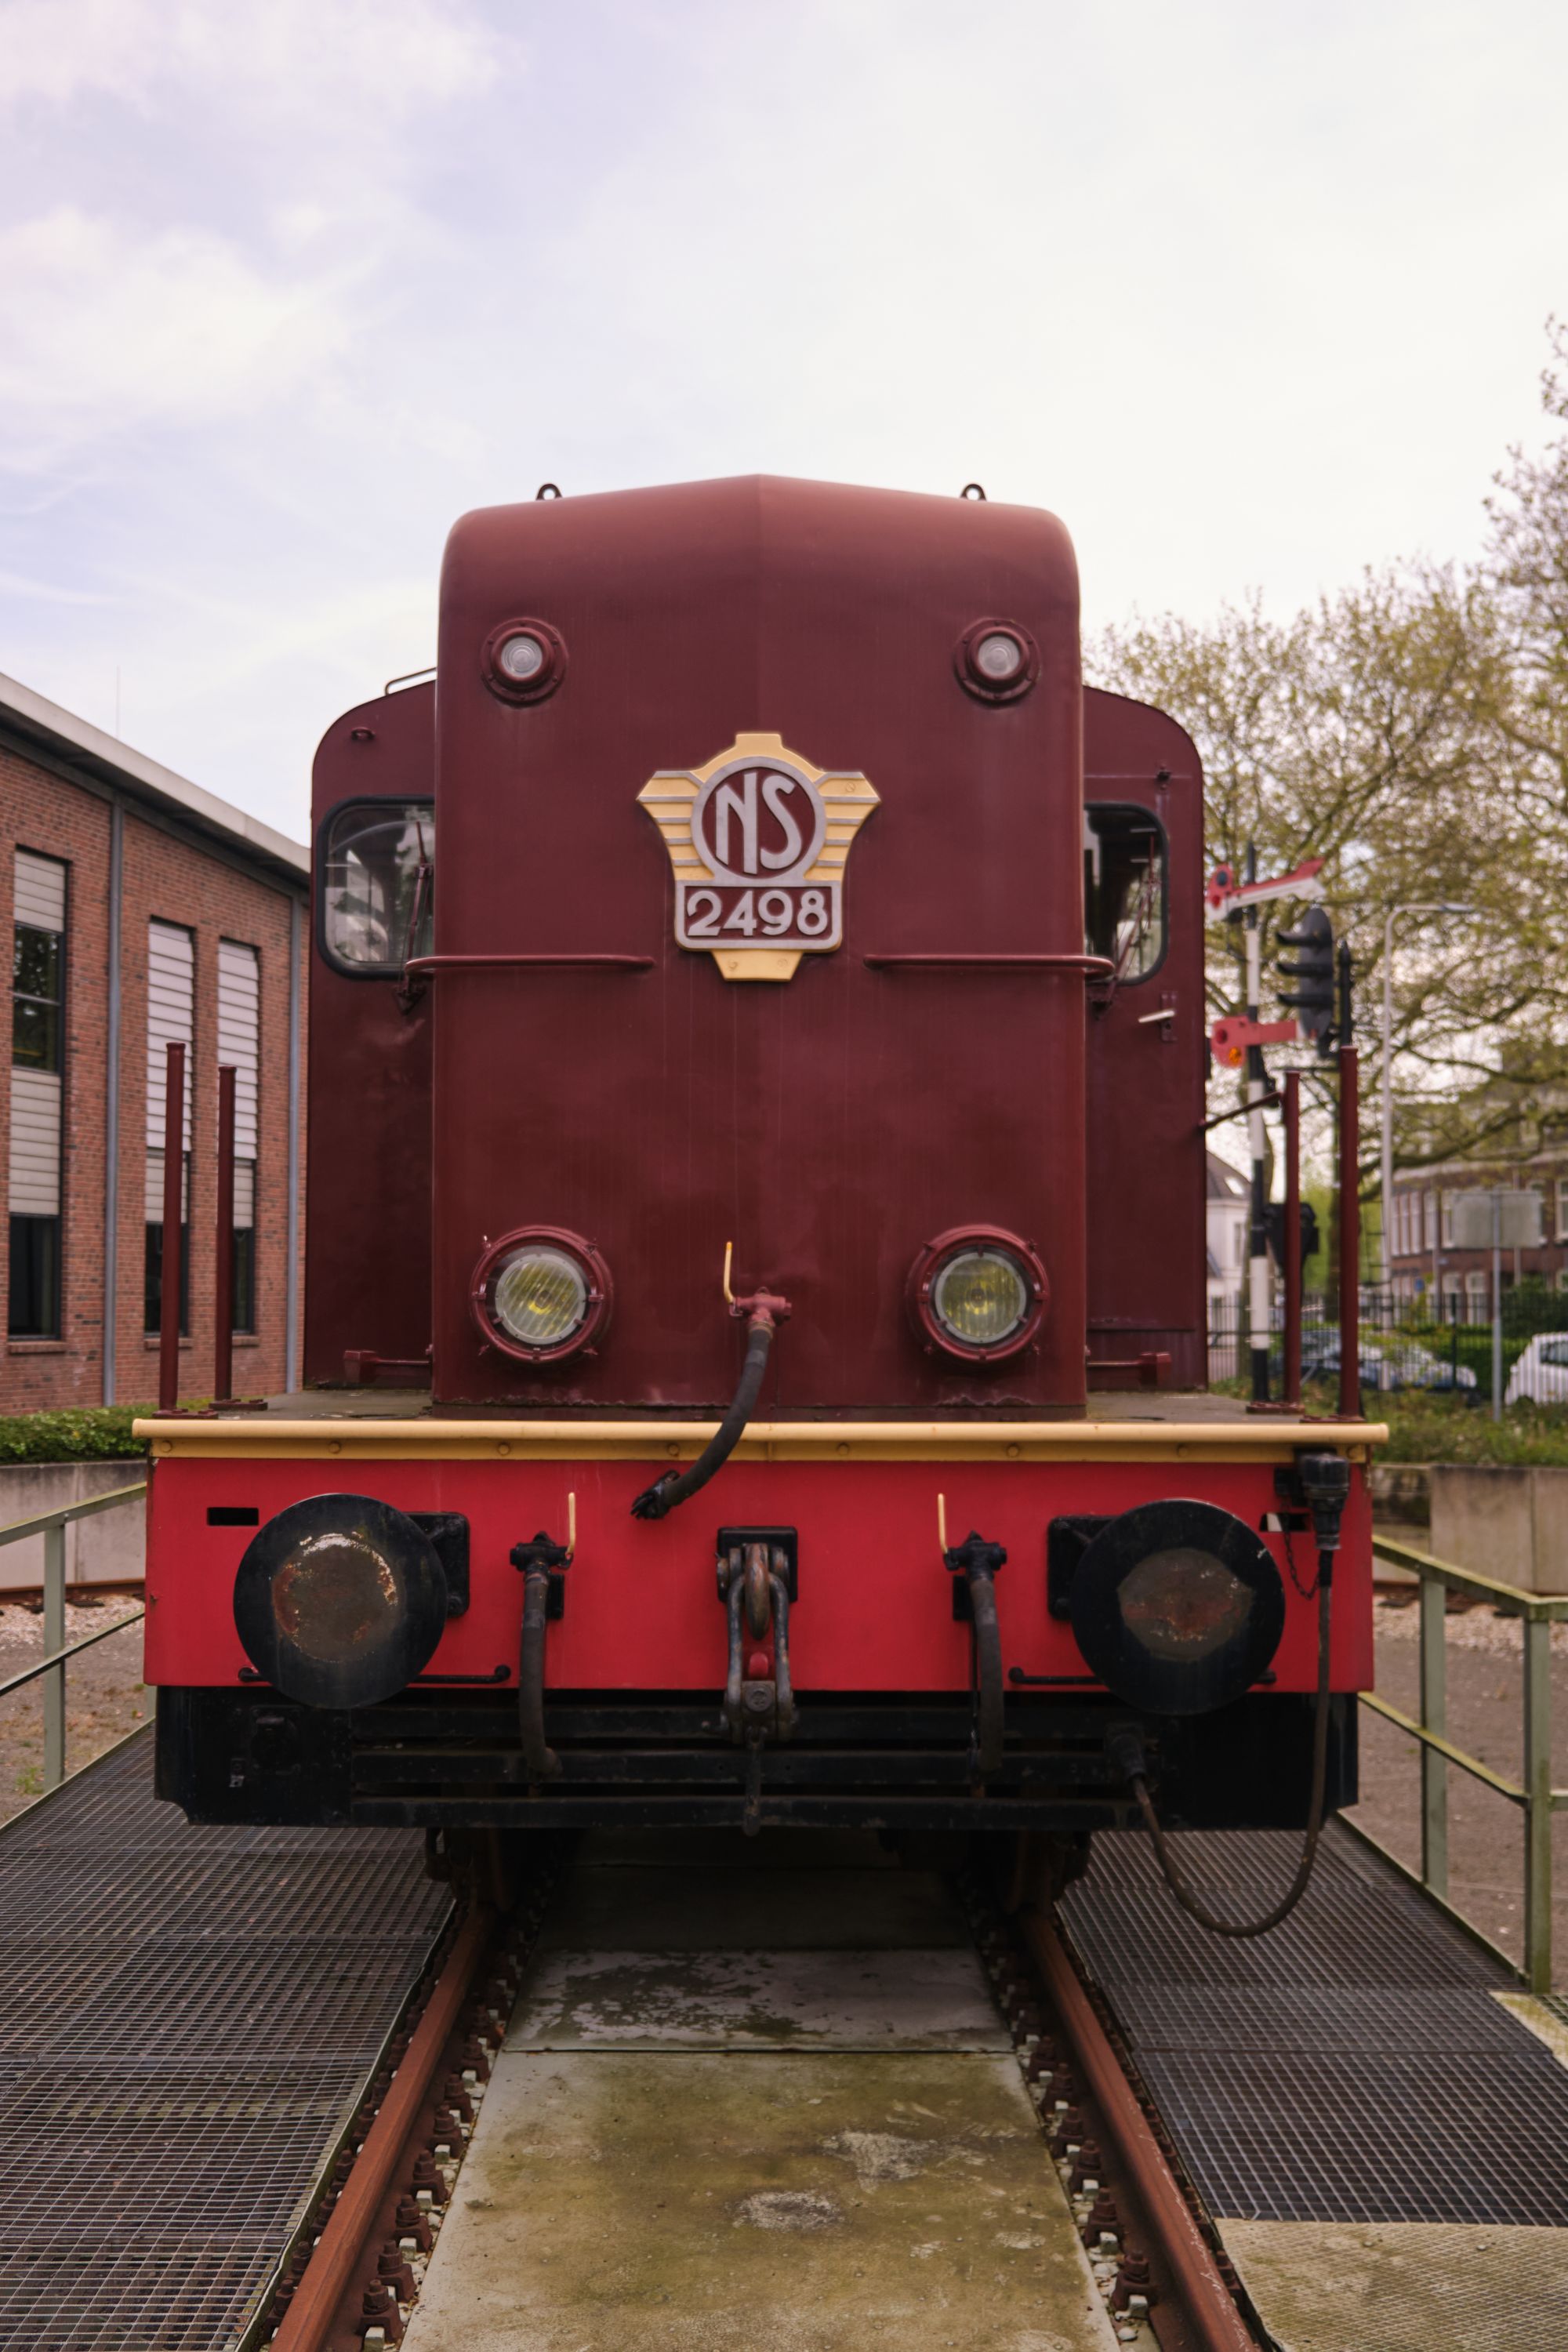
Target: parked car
pixel 1540 1375
pixel 1415 1367
pixel 1404 1364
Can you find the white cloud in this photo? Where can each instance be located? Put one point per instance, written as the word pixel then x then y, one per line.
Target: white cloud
pixel 303 57
pixel 103 331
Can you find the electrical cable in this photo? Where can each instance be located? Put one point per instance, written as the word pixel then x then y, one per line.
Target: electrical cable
pixel 1192 1902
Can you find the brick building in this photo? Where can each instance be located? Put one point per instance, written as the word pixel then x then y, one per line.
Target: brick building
pixel 142 909
pixel 1424 1265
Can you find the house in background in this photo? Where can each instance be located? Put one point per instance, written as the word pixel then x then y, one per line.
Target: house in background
pixel 1227 1215
pixel 1457 1284
pixel 142 910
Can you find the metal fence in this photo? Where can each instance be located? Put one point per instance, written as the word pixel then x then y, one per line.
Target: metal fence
pixel 1441 1345
pixel 51 1667
pixel 1535 1795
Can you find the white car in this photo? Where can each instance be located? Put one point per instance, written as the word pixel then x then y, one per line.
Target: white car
pixel 1540 1375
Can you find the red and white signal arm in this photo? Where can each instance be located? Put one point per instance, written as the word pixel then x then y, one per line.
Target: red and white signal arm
pixel 758 841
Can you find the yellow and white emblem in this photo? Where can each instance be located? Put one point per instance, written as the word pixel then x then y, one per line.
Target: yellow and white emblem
pixel 758 839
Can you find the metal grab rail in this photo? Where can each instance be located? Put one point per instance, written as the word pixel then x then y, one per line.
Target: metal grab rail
pixel 1535 1795
pixel 52 1525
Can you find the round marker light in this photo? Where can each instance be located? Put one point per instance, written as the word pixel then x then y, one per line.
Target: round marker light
pixel 522 657
pixel 999 656
pixel 981 1296
pixel 996 660
pixel 541 1294
pixel 977 1293
pixel 1177 1607
pixel 540 1297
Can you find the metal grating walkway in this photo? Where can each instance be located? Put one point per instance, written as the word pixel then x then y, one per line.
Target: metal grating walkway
pixel 188 2019
pixel 1353 2066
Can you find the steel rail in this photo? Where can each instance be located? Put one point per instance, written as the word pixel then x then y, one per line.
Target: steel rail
pixel 1208 2304
pixel 307 2322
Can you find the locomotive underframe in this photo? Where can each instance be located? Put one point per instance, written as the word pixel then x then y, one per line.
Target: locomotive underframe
pixel 650 1759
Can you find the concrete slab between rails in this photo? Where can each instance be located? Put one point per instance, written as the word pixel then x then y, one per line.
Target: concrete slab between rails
pixel 757 2000
pixel 707 2203
pixel 1405 2287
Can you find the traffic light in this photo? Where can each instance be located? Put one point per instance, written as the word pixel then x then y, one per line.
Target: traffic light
pixel 1313 1001
pixel 1310 1240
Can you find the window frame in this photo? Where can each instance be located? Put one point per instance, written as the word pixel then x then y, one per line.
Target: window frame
pixel 378 972
pixel 1155 825
pixel 62 1071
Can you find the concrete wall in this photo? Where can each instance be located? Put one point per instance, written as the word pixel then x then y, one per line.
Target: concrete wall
pixel 1512 1524
pixel 106 1549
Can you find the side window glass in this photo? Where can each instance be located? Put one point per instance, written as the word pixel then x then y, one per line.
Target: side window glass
pixel 377 884
pixel 1124 889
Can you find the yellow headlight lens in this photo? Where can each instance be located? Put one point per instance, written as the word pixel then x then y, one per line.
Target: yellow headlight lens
pixel 540 1297
pixel 981 1296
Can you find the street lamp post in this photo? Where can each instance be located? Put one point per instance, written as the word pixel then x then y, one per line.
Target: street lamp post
pixel 1409 907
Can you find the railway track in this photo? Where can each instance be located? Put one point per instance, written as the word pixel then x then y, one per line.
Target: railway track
pixel 697 2091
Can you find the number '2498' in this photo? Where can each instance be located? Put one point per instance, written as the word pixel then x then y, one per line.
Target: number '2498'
pixel 781 913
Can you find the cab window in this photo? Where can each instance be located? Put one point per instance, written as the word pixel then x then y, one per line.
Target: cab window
pixel 376 884
pixel 1124 889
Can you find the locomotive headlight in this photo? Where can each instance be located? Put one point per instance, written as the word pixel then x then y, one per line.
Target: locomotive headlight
pixel 977 1293
pixel 540 1297
pixel 980 1296
pixel 1177 1607
pixel 541 1294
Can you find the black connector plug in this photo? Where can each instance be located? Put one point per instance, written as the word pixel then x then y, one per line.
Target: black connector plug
pixel 1325 1487
pixel 1125 1752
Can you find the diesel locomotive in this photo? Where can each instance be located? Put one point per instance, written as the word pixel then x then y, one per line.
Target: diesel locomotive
pixel 755 1290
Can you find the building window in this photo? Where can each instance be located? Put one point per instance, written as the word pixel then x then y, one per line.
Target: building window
pixel 37 1060
pixel 239 1044
pixel 1478 1288
pixel 1446 1220
pixel 171 1005
pixel 1428 1236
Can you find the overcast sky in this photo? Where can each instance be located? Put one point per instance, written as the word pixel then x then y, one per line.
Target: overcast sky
pixel 1250 294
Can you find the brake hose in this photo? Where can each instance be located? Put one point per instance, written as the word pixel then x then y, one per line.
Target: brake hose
pixel 1326 1480
pixel 656 1502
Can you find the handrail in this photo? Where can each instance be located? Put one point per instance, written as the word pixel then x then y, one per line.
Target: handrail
pixel 52 1525
pixel 1535 1795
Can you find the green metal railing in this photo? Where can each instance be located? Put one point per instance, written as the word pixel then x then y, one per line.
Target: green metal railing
pixel 51 1666
pixel 1535 1795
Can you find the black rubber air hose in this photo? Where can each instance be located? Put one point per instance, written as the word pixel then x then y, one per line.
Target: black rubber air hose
pixel 656 1502
pixel 1131 1756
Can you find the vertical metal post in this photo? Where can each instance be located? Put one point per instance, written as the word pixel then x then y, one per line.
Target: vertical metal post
pixel 1257 1285
pixel 223 1305
pixel 1293 1389
pixel 54 1680
pixel 1497 1306
pixel 291 1280
pixel 1537 1805
pixel 1349 1210
pixel 1386 1103
pixel 1434 1717
pixel 111 1106
pixel 173 1208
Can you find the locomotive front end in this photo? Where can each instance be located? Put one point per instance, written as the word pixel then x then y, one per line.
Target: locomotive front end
pixel 797 1149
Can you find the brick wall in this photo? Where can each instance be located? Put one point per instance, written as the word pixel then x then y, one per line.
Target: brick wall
pixel 175 880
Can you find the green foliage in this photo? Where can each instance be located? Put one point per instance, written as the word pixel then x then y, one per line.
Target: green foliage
pixel 1435 1429
pixel 95 1433
pixel 1411 730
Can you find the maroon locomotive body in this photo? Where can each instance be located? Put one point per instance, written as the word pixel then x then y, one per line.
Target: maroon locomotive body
pixel 756 1278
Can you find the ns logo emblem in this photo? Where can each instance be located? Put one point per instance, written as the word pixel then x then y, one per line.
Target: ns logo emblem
pixel 758 841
